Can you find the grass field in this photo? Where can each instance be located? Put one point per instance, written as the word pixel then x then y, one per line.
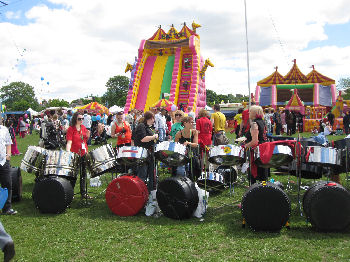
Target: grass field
pixel 90 232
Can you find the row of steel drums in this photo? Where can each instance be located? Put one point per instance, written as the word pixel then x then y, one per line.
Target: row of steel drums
pixel 61 164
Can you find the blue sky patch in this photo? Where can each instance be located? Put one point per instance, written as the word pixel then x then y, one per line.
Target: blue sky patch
pixel 20 7
pixel 338 35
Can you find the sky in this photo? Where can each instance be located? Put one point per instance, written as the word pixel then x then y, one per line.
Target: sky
pixel 75 46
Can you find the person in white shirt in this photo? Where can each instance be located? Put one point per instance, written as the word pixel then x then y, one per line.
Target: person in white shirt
pixel 5 177
pixel 160 124
pixel 193 115
pixel 87 123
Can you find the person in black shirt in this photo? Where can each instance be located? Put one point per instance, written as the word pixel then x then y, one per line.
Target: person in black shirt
pixel 256 135
pixel 144 136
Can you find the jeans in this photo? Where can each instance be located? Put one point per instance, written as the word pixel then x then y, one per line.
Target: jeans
pixel 147 171
pixel 4 237
pixel 6 182
pixel 161 133
pixel 83 176
pixel 181 170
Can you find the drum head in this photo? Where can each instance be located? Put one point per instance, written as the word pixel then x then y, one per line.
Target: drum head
pixel 177 197
pixel 52 194
pixel 327 206
pixel 266 207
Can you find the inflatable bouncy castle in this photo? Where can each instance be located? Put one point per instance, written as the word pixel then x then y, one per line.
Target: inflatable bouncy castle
pixel 169 65
pixel 314 89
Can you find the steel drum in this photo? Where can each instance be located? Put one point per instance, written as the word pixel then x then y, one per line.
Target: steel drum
pixel 171 153
pixel 325 156
pixel 61 163
pixel 282 155
pixel 227 155
pixel 343 145
pixel 34 160
pixel 306 170
pixel 101 160
pixel 211 181
pixel 132 155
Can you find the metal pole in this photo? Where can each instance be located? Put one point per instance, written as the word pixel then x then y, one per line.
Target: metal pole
pixel 246 37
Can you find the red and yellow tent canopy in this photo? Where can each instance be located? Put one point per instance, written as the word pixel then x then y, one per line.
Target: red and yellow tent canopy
pixel 94 107
pixel 163 103
pixel 316 77
pixel 295 76
pixel 274 79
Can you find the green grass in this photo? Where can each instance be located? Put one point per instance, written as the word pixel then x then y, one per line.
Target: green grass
pixel 93 233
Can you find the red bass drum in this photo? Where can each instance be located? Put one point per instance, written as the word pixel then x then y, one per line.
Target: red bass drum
pixel 126 195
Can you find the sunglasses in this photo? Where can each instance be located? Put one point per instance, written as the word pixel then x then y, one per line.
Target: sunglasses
pixel 178 115
pixel 80 119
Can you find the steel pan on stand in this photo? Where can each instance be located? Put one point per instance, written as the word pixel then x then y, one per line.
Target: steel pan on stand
pixel 34 160
pixel 101 160
pixel 325 156
pixel 61 163
pixel 171 153
pixel 132 155
pixel 281 155
pixel 227 155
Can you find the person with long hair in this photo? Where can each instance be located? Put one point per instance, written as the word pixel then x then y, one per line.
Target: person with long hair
pixel 145 136
pixel 256 135
pixel 121 130
pixel 188 136
pixel 77 138
pixel 177 126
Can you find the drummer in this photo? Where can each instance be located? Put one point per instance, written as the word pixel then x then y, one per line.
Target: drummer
pixel 77 137
pixel 177 126
pixel 188 137
pixel 144 136
pixel 256 135
pixel 121 130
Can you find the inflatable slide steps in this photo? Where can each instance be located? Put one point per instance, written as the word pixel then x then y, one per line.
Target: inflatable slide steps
pixel 185 81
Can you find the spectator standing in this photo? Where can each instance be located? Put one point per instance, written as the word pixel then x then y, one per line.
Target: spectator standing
pixel 87 122
pixel 218 120
pixel 278 122
pixel 193 115
pixel 160 124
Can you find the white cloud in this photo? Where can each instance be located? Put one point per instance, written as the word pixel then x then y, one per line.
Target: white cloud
pixel 13 15
pixel 79 47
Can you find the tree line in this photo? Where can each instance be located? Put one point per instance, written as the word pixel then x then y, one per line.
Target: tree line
pixel 19 96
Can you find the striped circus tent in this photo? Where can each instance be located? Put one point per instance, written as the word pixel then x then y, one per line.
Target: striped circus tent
pixel 316 77
pixel 274 79
pixel 185 32
pixel 93 107
pixel 158 34
pixel 295 76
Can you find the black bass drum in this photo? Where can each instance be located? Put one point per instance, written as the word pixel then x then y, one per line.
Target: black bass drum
pixel 177 197
pixel 52 194
pixel 327 206
pixel 266 207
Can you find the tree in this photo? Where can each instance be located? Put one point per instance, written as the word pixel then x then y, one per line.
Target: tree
pixel 117 90
pixel 19 96
pixel 211 97
pixel 344 84
pixel 57 103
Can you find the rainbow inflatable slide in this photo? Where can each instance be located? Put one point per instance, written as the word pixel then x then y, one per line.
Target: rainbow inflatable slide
pixel 168 65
